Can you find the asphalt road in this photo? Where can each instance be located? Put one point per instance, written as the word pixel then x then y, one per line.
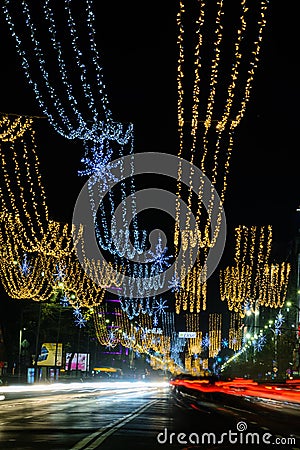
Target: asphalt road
pixel 140 416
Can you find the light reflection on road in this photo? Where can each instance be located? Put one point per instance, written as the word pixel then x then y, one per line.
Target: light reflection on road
pixel 54 387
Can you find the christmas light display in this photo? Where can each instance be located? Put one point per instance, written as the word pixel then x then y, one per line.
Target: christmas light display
pixel 215 332
pixel 215 136
pixel 253 280
pixel 235 331
pixel 72 94
pixel 194 345
pixel 83 114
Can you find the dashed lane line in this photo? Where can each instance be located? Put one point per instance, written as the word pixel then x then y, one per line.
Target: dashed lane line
pixel 95 439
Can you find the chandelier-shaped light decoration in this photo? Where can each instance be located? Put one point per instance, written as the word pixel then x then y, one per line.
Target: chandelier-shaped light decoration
pixel 63 67
pixel 220 94
pixel 23 276
pixel 62 64
pixel 253 280
pixel 22 194
pixel 235 332
pixel 215 334
pixel 192 324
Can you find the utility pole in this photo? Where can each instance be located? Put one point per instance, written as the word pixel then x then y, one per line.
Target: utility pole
pixel 37 347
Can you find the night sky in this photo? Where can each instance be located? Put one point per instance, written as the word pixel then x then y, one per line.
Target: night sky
pixel 138 47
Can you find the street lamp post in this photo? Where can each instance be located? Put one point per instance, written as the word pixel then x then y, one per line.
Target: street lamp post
pixel 37 344
pixel 275 331
pixel 289 305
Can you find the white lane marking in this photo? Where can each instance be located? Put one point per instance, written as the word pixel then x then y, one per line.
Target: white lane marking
pixel 113 426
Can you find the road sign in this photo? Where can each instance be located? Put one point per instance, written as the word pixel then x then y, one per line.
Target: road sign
pixel 187 334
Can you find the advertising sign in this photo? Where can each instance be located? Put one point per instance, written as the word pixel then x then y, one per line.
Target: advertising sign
pixel 80 363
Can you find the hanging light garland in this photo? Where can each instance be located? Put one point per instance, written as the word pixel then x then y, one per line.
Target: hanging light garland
pixel 235 332
pixel 23 276
pixel 22 192
pixel 217 131
pixel 192 323
pixel 253 280
pixel 76 110
pixel 52 85
pixel 215 334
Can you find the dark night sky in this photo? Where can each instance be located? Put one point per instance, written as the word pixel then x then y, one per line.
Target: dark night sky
pixel 139 57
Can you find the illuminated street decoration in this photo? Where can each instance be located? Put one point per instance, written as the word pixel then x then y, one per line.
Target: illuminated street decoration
pixel 79 320
pixel 159 259
pixel 205 341
pixel 174 284
pixel 22 194
pixel 279 319
pixel 23 276
pixel 71 93
pixel 160 306
pixel 97 167
pixel 139 334
pixel 192 323
pixel 215 334
pixel 253 281
pixel 25 266
pixel 112 236
pixel 64 301
pixel 60 273
pixel 259 342
pixel 212 123
pixel 75 114
pixel 224 343
pixel 235 331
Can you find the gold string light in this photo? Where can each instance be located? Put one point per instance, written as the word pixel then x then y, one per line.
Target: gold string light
pixel 217 133
pixel 235 332
pixel 194 345
pixel 23 276
pixel 214 334
pixel 253 281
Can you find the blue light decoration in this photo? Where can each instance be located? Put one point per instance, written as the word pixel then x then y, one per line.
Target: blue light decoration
pixel 64 301
pixel 25 267
pixel 84 114
pixel 79 320
pixel 112 339
pixel 159 259
pixel 225 343
pixel 77 312
pixel 160 306
pixel 205 341
pixel 62 65
pixel 174 284
pixel 97 166
pixel 60 273
pixel 260 342
pixel 112 236
pixel 177 348
pixel 278 323
pixel 155 320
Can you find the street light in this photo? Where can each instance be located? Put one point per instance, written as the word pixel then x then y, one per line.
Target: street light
pixel 275 332
pixel 289 305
